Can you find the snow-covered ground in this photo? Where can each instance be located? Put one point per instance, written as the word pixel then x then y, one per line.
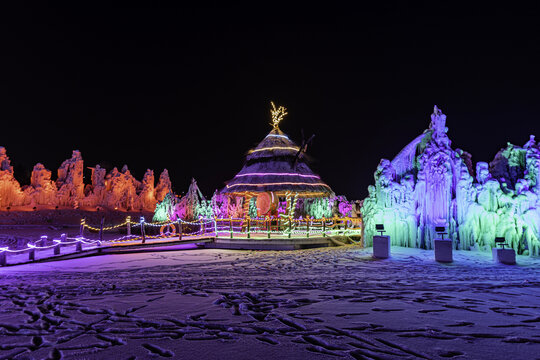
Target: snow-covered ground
pixel 317 304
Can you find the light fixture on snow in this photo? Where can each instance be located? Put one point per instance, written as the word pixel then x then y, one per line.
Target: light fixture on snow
pixel 441 230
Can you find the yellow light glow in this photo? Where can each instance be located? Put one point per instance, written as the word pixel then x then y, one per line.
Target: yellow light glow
pixel 275 148
pixel 277 114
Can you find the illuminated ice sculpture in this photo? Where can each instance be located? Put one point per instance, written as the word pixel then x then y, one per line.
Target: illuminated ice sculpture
pixel 429 184
pixel 116 190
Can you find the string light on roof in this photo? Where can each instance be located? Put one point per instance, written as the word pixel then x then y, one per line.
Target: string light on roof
pixel 279 174
pixel 277 115
pixel 279 183
pixel 276 135
pixel 275 148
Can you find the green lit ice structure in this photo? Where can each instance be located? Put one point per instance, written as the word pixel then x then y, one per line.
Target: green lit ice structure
pixel 430 184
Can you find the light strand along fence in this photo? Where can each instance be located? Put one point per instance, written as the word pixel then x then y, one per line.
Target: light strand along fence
pixel 257 228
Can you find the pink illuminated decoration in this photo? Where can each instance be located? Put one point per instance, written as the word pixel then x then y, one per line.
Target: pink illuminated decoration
pixel 280 183
pixel 280 174
pixel 344 206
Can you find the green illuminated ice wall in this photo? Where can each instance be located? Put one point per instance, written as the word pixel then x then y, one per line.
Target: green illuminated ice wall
pixel 429 184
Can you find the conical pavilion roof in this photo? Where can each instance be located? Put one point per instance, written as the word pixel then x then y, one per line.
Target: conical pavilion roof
pixel 270 167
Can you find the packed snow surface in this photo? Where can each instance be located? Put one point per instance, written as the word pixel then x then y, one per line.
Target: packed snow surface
pixel 316 304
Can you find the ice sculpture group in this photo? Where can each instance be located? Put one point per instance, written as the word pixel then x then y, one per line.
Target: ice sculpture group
pixel 430 184
pixel 117 189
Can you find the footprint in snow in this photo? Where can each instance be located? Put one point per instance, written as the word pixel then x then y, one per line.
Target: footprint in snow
pixel 154 349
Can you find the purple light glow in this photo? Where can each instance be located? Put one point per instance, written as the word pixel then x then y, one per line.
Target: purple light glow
pixel 279 174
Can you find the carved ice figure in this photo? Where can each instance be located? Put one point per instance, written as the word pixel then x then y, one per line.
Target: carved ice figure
pixel 408 212
pixel 509 164
pixel 166 210
pixel 189 207
pixel 335 208
pixel 369 216
pixel 42 190
pixel 121 189
pixel 5 163
pixel 318 208
pixel 164 185
pixel 532 164
pixel 220 205
pixel 235 207
pixel 340 206
pixel 391 203
pixel 436 172
pixel 96 192
pixel 489 190
pixel 531 229
pixel 384 183
pixel 438 123
pixel 465 195
pixel 70 180
pixel 146 198
pixel 10 189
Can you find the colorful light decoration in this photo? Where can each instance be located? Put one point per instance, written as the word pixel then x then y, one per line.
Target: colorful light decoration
pixel 279 174
pixel 277 135
pixel 277 115
pixel 280 183
pixel 282 193
pixel 208 227
pixel 275 148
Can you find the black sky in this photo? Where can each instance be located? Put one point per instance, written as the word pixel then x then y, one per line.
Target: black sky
pixel 188 88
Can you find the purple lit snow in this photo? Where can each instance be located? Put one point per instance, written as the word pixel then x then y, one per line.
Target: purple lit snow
pixel 323 303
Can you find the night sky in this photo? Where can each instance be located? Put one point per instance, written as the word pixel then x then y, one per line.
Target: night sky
pixel 189 89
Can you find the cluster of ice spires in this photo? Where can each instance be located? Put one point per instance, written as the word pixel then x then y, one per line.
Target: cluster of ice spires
pixel 429 184
pixel 117 189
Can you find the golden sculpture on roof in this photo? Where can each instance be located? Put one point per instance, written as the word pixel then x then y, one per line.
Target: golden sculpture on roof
pixel 277 114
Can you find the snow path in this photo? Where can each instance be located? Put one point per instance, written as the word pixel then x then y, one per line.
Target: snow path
pixel 319 304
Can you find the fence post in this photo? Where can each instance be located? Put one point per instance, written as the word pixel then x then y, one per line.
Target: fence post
pixel 248 227
pixel 32 254
pixel 203 226
pixel 230 226
pixel 101 229
pixel 268 226
pixel 179 229
pixel 57 247
pixel 128 224
pixel 3 258
pixel 215 226
pixel 78 246
pixel 307 226
pixel 142 230
pixel 324 227
pixel 83 223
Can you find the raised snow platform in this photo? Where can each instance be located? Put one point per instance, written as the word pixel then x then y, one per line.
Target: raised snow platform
pixel 443 250
pixel 270 244
pixel 381 246
pixel 504 256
